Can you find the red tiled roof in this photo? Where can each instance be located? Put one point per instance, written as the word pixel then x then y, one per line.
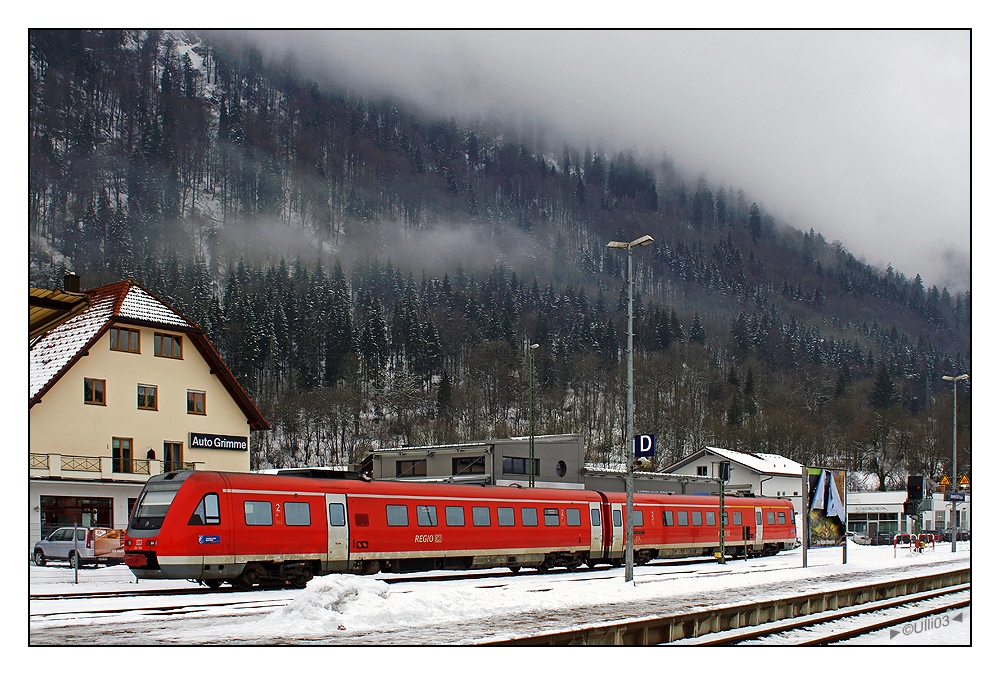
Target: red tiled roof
pixel 52 354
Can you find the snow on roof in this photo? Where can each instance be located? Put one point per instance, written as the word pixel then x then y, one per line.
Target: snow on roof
pixel 54 351
pixel 760 462
pixel 141 305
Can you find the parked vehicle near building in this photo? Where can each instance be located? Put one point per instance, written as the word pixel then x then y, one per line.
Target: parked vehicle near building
pixel 92 545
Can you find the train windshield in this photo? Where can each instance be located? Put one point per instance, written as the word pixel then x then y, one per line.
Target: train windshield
pixel 152 506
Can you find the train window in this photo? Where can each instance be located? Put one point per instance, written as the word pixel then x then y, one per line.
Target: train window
pixel 682 518
pixel 505 516
pixel 770 517
pixel 337 514
pixel 454 516
pixel 481 516
pixel 616 518
pixel 361 519
pixel 668 519
pixel 595 517
pixel 781 517
pixel 759 519
pixel 297 513
pixel 207 512
pixel 395 515
pixel 637 518
pixel 696 518
pixel 573 517
pixel 725 517
pixel 710 517
pixel 257 513
pixel 551 516
pixel 737 518
pixel 529 516
pixel 427 516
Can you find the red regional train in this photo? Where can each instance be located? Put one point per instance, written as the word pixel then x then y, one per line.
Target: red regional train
pixel 257 530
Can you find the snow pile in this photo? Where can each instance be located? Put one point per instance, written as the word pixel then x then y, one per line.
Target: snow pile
pixel 326 604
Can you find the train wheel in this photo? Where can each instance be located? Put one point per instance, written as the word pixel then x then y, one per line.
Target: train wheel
pixel 369 567
pixel 514 568
pixel 247 579
pixel 213 584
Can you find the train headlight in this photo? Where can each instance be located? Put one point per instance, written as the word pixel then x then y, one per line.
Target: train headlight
pixel 151 543
pixel 128 542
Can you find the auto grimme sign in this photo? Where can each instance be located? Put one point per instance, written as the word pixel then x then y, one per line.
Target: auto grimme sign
pixel 219 442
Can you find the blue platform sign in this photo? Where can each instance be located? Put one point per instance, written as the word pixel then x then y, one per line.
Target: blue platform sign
pixel 644 445
pixel 954 497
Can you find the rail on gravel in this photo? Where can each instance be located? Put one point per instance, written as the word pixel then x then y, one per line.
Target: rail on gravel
pixel 686 625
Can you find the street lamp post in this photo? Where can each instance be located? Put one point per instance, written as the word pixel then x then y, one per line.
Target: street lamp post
pixel 954 453
pixel 630 432
pixel 531 415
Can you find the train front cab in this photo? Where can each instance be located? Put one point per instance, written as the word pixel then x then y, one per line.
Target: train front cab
pixel 146 539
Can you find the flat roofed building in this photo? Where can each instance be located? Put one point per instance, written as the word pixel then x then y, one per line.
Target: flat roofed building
pixel 126 389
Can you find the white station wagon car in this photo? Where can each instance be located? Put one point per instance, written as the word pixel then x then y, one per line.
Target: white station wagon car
pixel 92 545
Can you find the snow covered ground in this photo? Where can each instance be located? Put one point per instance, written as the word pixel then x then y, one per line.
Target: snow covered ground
pixel 351 610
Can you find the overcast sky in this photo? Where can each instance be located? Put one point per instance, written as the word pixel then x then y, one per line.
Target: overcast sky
pixel 863 135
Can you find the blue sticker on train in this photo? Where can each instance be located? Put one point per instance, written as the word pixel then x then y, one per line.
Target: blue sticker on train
pixel 209 539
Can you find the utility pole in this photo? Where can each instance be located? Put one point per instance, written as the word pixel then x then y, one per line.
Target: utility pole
pixel 954 454
pixel 630 432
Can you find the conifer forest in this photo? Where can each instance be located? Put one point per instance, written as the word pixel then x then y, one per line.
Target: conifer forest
pixel 373 276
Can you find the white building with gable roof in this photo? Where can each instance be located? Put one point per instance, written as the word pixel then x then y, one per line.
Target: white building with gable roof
pixel 767 475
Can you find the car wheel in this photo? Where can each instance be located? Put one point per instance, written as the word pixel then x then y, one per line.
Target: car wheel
pixel 71 559
pixel 39 558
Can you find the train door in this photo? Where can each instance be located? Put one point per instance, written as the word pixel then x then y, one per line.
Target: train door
pixel 759 529
pixel 337 532
pixel 617 531
pixel 597 539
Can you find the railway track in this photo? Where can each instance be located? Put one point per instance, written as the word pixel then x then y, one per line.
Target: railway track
pixel 486 575
pixel 739 623
pixel 829 627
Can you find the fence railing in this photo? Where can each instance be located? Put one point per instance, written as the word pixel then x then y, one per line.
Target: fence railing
pixel 55 463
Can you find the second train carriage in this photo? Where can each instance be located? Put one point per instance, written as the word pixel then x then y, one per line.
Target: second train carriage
pixel 251 529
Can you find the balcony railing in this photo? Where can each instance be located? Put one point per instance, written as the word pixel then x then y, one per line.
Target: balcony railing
pixel 76 463
pixel 107 468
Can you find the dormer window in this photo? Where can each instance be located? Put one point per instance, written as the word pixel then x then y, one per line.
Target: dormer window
pixel 125 340
pixel 167 345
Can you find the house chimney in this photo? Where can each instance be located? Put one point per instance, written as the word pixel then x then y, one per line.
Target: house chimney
pixel 71 283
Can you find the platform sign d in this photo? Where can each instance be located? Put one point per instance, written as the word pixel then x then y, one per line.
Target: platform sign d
pixel 644 445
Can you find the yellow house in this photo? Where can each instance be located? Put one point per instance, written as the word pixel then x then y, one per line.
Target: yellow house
pixel 127 389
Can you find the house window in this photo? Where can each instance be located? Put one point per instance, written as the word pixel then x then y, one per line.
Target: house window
pixel 518 465
pixel 467 465
pixel 146 395
pixel 702 470
pixel 411 467
pixel 172 460
pixel 125 340
pixel 167 345
pixel 121 455
pixel 196 402
pixel 93 391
